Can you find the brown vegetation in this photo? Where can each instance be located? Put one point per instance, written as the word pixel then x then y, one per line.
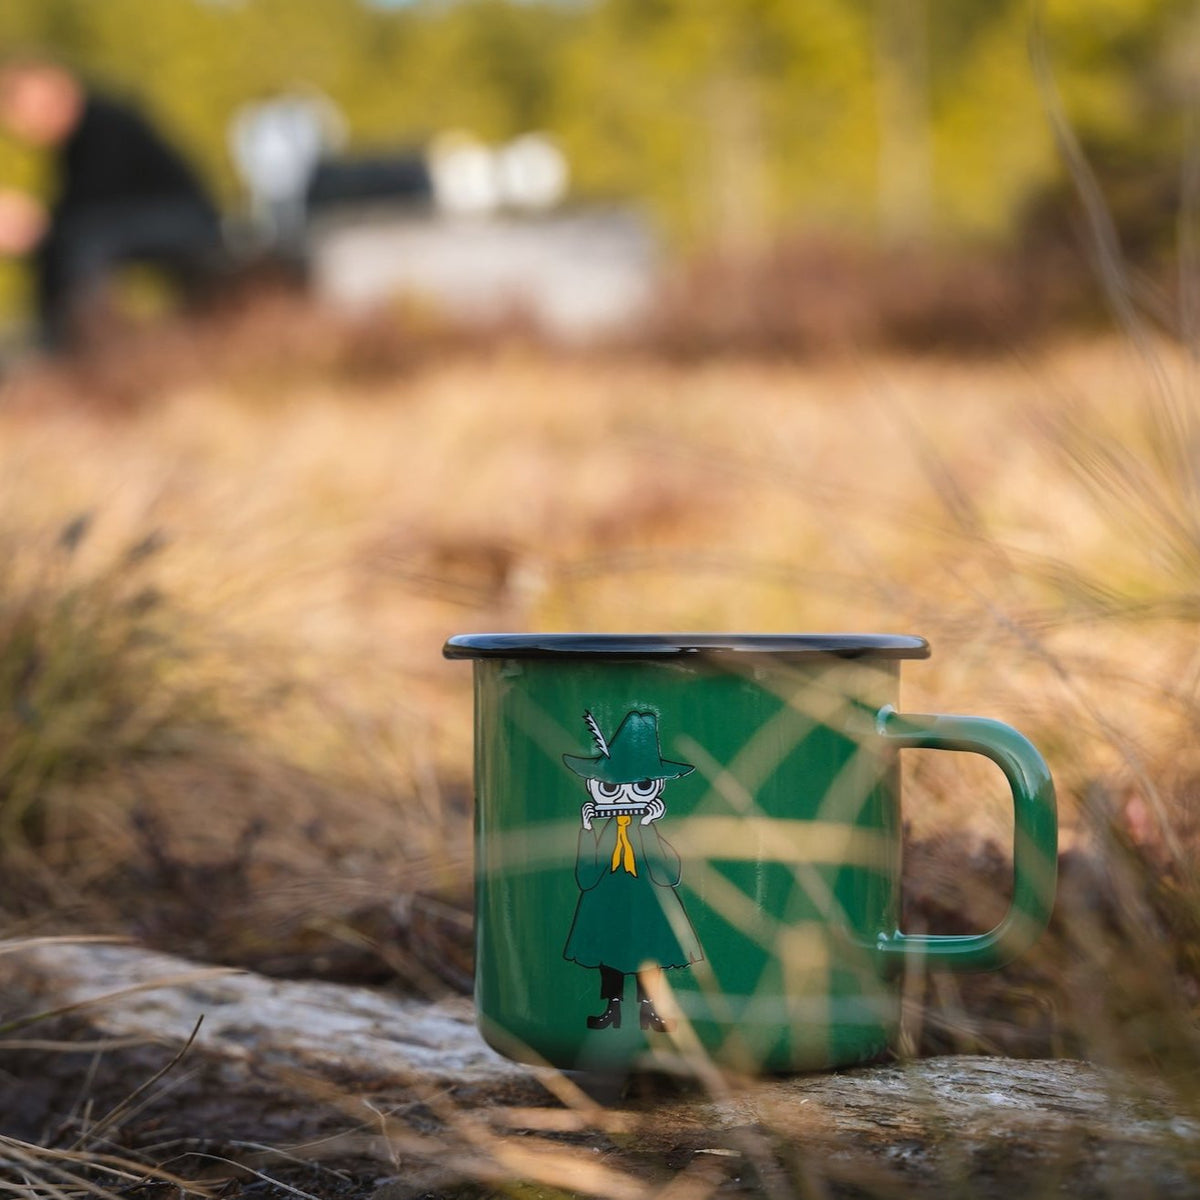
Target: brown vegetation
pixel 807 297
pixel 228 731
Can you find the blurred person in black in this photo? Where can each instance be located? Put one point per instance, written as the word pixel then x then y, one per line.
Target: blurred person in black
pixel 124 195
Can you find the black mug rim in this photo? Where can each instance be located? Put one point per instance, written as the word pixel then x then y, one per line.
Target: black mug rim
pixel 667 645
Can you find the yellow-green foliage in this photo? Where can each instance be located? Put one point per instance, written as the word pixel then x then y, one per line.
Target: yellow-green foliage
pixel 721 113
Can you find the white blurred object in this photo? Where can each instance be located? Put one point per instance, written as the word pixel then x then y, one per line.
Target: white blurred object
pixel 276 145
pixel 580 275
pixel 465 174
pixel 471 178
pixel 533 172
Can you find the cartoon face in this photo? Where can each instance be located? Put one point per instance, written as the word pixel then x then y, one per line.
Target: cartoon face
pixel 624 795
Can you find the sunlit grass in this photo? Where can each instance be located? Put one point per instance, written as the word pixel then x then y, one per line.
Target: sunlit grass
pixel 345 533
pixel 251 719
pixel 314 549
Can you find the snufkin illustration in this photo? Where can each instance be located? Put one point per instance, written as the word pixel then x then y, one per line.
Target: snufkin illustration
pixel 629 919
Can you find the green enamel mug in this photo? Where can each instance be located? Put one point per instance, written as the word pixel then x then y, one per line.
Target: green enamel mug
pixel 688 847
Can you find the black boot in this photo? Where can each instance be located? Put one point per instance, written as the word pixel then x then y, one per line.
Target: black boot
pixel 610 1016
pixel 651 1020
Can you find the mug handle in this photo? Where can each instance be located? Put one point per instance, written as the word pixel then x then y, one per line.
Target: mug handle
pixel 1035 839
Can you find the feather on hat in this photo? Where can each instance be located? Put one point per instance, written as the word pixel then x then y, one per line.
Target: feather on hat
pixel 630 755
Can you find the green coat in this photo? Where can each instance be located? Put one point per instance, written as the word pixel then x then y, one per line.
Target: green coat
pixel 626 921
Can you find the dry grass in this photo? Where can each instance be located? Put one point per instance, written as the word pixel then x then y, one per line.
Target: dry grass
pixel 315 545
pixel 331 535
pixel 275 742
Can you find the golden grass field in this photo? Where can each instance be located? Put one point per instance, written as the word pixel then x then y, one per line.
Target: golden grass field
pixel 227 726
pixel 315 544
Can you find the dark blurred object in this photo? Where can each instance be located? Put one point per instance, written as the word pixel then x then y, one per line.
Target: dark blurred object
pixel 125 195
pixel 401 178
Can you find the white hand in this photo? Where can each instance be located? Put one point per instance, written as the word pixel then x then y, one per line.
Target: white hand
pixel 654 809
pixel 586 813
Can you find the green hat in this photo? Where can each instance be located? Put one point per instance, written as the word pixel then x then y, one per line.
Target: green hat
pixel 632 754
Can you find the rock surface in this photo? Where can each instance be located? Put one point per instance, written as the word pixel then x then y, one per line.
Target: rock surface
pixel 351 1092
pixel 321 1027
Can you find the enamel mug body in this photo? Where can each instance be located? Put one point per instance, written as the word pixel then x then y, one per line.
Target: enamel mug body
pixel 690 846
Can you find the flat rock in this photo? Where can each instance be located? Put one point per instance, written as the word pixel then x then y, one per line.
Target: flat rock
pixel 326 1028
pixel 407 1090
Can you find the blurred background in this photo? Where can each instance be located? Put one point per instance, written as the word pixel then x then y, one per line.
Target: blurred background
pixel 800 172
pixel 412 319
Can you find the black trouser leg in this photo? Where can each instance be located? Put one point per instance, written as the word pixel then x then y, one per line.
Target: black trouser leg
pixel 612 984
pixel 52 299
pixel 612 989
pixel 84 249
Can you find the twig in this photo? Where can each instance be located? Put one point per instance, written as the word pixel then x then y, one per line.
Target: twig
pixel 125 1105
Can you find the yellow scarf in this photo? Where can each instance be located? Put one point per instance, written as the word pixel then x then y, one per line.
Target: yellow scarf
pixel 623 850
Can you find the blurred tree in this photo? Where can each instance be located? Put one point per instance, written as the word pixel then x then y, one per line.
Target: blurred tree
pixel 488 66
pixel 905 119
pixel 730 119
pixel 731 115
